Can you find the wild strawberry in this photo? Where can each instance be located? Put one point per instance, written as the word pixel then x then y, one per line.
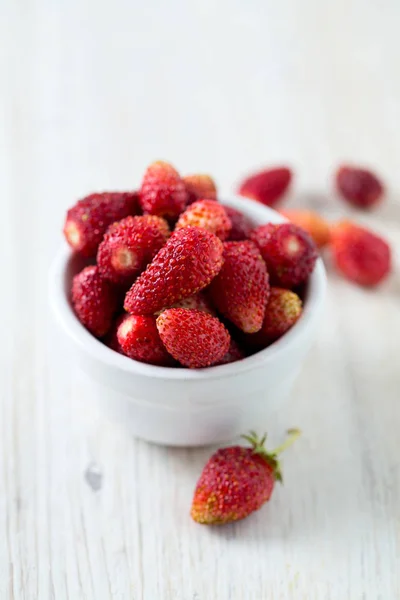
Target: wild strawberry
pixel 94 301
pixel 185 265
pixel 241 225
pixel 315 225
pixel 360 255
pixel 237 481
pixel 289 252
pixel 209 215
pixel 267 186
pixel 283 310
pixel 234 353
pixel 200 187
pixel 360 187
pixel 163 192
pixel 129 246
pixel 193 337
pixel 87 221
pixel 240 290
pixel 139 339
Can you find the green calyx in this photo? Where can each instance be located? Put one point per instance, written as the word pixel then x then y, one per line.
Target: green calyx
pixel 271 456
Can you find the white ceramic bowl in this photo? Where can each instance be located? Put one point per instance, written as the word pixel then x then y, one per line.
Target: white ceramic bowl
pixel 184 407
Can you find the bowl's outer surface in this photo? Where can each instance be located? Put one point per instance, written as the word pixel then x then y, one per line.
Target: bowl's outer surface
pixel 182 406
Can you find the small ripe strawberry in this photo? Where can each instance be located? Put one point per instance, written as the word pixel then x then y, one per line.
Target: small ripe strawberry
pixel 234 353
pixel 284 309
pixel 194 338
pixel 240 290
pixel 187 263
pixel 206 214
pixel 139 339
pixel 315 225
pixel 237 481
pixel 88 219
pixel 129 246
pixel 360 255
pixel 200 187
pixel 267 186
pixel 288 251
pixel 360 187
pixel 94 301
pixel 163 192
pixel 241 225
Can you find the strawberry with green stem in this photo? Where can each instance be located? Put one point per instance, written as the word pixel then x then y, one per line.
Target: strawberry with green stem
pixel 237 480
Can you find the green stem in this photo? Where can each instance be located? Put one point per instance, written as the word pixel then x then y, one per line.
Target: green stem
pixel 293 434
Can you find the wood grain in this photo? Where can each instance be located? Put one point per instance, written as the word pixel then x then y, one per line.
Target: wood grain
pixel 92 92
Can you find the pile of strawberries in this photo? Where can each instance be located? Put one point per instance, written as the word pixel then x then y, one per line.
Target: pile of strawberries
pixel 357 253
pixel 181 280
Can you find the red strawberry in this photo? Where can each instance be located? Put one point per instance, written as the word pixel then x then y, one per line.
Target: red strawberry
pixel 289 252
pixel 193 337
pixel 200 187
pixel 360 187
pixel 87 221
pixel 163 192
pixel 240 291
pixel 139 339
pixel 360 255
pixel 267 186
pixel 129 246
pixel 241 225
pixel 94 301
pixel 209 215
pixel 237 481
pixel 284 308
pixel 185 265
pixel 316 227
pixel 234 353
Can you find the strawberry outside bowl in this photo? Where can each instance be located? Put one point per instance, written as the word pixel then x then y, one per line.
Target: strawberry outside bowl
pixel 187 407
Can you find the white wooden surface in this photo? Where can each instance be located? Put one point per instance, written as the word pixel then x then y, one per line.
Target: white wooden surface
pixel 92 91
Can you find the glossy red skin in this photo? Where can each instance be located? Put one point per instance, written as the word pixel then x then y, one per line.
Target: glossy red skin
pixel 200 187
pixel 88 220
pixel 240 290
pixel 241 225
pixel 140 238
pixel 94 300
pixel 163 192
pixel 234 483
pixel 267 186
pixel 284 309
pixel 194 338
pixel 209 215
pixel 360 255
pixel 191 258
pixel 289 252
pixel 139 340
pixel 360 187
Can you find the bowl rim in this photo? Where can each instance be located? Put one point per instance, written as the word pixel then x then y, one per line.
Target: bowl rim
pixel 72 327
